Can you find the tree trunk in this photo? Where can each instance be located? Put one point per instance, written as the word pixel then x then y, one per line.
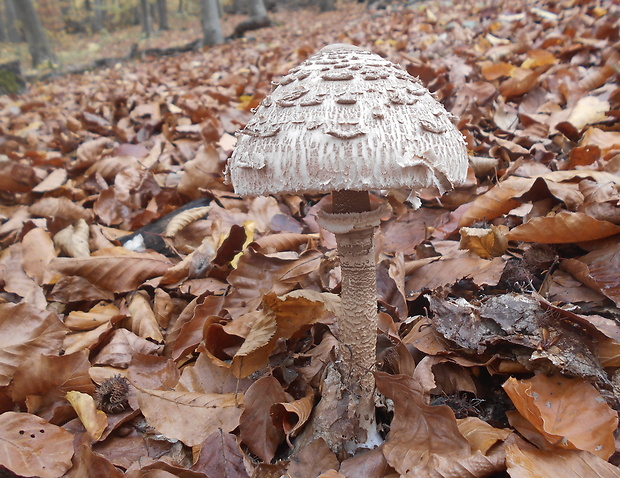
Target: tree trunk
pixel 180 7
pixel 145 18
pixel 38 43
pixel 3 36
pixel 162 9
pixel 257 9
pixel 210 22
pixel 13 34
pixel 97 24
pixel 326 5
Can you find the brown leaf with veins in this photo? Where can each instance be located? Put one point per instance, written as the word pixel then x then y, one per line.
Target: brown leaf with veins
pixel 497 201
pixel 424 441
pixel 257 274
pixel 569 413
pixel 190 417
pixel 142 319
pixel 526 461
pixel 33 447
pixel 599 270
pixel 565 227
pixel 26 331
pixel 38 251
pixel 17 281
pixel 42 380
pixel 256 427
pixel 118 271
pixel 312 460
pixel 220 455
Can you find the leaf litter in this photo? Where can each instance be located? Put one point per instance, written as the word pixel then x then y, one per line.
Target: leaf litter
pixel 200 347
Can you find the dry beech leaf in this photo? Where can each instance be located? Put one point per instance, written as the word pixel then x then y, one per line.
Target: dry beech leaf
pixel 73 239
pixel 258 273
pixel 206 376
pixel 606 140
pixel 33 447
pixel 425 440
pixel 588 110
pixel 26 331
pixel 202 172
pixel 101 313
pixel 257 347
pixel 190 417
pixel 525 461
pixel 16 177
pixel 38 251
pixel 569 413
pixel 256 427
pixel 142 320
pixel 312 459
pixel 17 281
pixel 52 181
pixel 42 380
pixel 62 208
pixel 497 201
pixel 95 421
pixel 564 227
pixel 184 218
pixel 480 435
pixel 281 317
pixel 485 243
pixel 286 241
pixel 292 416
pixel 220 455
pixel 121 347
pixel 370 464
pixel 86 463
pixel 121 271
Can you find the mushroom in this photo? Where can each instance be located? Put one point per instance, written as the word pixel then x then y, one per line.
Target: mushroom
pixel 344 122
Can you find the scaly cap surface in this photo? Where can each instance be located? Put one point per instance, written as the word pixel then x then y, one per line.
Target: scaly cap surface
pixel 347 119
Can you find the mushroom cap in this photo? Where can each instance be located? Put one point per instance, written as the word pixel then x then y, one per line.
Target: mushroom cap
pixel 347 119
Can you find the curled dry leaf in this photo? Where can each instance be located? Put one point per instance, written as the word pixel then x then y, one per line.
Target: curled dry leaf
pixel 485 243
pixel 142 320
pixel 292 416
pixel 38 251
pixel 569 413
pixel 256 426
pixel 281 317
pixel 33 447
pixel 17 281
pixel 59 208
pixel 101 313
pixel 95 421
pixel 599 270
pixel 73 239
pixel 184 218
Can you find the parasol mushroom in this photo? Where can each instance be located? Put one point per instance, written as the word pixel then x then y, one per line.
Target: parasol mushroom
pixel 344 122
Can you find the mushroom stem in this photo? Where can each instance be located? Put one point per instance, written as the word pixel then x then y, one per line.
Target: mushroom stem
pixel 357 325
pixel 357 321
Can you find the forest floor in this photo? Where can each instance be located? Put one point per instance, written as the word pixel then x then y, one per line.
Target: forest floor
pixel 202 355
